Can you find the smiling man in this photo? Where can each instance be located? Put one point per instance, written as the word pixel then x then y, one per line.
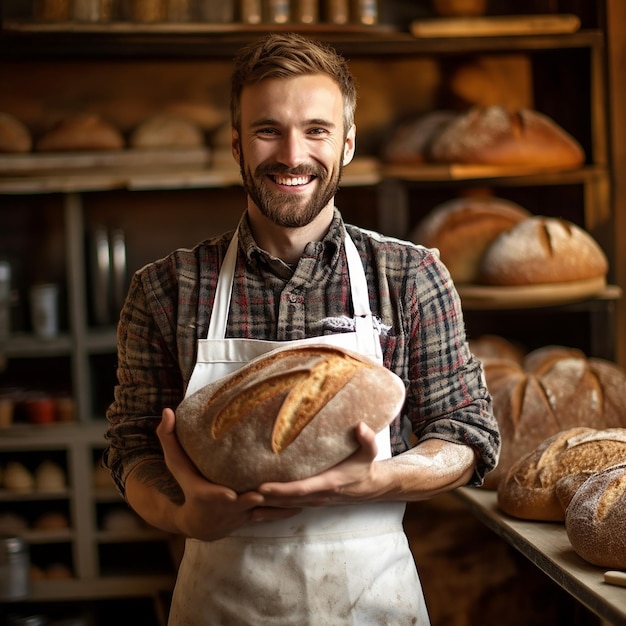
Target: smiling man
pixel 328 549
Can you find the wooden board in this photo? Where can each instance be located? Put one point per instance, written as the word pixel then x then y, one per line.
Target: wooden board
pixel 461 171
pixel 546 544
pixel 496 26
pixel 529 296
pixel 41 163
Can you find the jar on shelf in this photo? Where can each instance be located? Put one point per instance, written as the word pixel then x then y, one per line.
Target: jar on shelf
pixel 146 11
pixel 305 11
pixel 251 11
pixel 52 10
pixel 216 11
pixel 14 568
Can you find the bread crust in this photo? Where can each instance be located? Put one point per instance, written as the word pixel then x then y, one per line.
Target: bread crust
pixel 542 250
pixel 462 230
pixel 82 132
pixel 286 415
pixel 555 389
pixel 493 135
pixel 529 490
pixel 166 131
pixel 596 518
pixel 14 135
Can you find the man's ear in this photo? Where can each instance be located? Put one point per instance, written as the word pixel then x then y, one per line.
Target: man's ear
pixel 235 146
pixel 349 146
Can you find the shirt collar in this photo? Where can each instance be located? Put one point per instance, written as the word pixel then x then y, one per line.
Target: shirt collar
pixel 325 250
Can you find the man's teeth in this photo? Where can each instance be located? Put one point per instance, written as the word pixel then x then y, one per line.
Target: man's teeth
pixel 301 180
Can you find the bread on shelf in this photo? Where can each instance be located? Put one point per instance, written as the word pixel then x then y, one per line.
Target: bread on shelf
pixel 529 490
pixel 555 389
pixel 462 229
pixel 494 135
pixel 595 519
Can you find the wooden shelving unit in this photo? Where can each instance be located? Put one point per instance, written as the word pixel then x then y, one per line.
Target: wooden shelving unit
pixel 143 199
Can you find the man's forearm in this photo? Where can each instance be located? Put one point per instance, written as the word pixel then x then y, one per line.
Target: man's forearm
pixel 431 467
pixel 154 494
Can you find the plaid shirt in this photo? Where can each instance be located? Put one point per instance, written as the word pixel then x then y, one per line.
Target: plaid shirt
pixel 422 334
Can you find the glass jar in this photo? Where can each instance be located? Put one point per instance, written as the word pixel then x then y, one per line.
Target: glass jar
pixel 14 568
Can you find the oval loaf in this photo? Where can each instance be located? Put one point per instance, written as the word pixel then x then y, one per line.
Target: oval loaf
pixel 493 135
pixel 542 250
pixel 286 415
pixel 596 518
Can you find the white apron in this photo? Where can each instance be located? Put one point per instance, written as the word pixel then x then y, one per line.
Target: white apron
pixel 326 566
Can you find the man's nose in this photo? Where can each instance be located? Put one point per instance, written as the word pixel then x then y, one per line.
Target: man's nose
pixel 293 151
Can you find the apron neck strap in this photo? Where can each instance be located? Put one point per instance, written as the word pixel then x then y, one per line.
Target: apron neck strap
pixel 221 305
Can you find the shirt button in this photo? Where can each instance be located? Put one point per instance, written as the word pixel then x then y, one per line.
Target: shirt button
pixel 293 298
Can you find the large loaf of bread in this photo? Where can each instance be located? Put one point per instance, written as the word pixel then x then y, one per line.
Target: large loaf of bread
pixel 493 135
pixel 595 520
pixel 542 250
pixel 462 230
pixel 529 490
pixel 286 415
pixel 556 388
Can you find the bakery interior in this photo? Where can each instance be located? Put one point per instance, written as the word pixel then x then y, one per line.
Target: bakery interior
pixel 114 150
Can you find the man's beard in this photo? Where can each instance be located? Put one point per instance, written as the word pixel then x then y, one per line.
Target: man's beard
pixel 286 210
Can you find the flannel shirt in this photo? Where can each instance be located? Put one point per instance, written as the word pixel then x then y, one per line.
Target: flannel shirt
pixel 422 334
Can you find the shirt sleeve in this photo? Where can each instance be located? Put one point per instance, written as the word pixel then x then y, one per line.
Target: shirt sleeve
pixel 447 396
pixel 148 372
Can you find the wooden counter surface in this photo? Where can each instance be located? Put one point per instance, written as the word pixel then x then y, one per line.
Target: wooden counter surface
pixel 546 544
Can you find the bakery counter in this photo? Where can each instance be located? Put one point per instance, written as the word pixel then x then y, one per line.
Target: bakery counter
pixel 547 546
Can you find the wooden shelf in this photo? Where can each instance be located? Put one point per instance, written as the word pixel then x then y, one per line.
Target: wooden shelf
pixel 548 547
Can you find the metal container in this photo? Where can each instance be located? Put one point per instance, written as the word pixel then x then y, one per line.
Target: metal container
pixel 14 568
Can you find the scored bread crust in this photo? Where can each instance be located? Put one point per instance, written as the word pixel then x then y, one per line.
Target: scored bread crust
pixel 595 521
pixel 529 490
pixel 554 389
pixel 493 135
pixel 542 250
pixel 463 228
pixel 286 415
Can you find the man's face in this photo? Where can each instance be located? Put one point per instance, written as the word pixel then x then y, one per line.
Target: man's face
pixel 292 147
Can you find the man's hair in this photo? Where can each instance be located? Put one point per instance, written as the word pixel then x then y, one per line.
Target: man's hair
pixel 286 55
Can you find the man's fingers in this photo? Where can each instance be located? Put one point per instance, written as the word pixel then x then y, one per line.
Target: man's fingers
pixel 175 457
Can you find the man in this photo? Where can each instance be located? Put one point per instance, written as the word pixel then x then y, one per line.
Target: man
pixel 327 549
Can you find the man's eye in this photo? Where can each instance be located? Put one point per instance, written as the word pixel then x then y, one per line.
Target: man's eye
pixel 317 131
pixel 267 131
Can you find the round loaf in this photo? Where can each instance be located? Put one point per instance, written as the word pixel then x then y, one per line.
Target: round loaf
pixel 495 136
pixel 529 490
pixel 596 518
pixel 542 250
pixel 166 131
pixel 497 347
pixel 554 389
pixel 14 136
pixel 463 229
pixel 286 415
pixel 83 132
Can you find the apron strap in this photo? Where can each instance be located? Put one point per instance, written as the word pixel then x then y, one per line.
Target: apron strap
pixel 223 292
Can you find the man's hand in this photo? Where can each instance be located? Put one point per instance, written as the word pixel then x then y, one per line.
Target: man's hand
pixel 208 511
pixel 352 480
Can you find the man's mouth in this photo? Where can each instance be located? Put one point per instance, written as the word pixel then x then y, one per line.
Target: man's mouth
pixel 290 181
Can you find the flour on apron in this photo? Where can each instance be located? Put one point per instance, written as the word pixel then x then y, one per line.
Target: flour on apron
pixel 326 566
